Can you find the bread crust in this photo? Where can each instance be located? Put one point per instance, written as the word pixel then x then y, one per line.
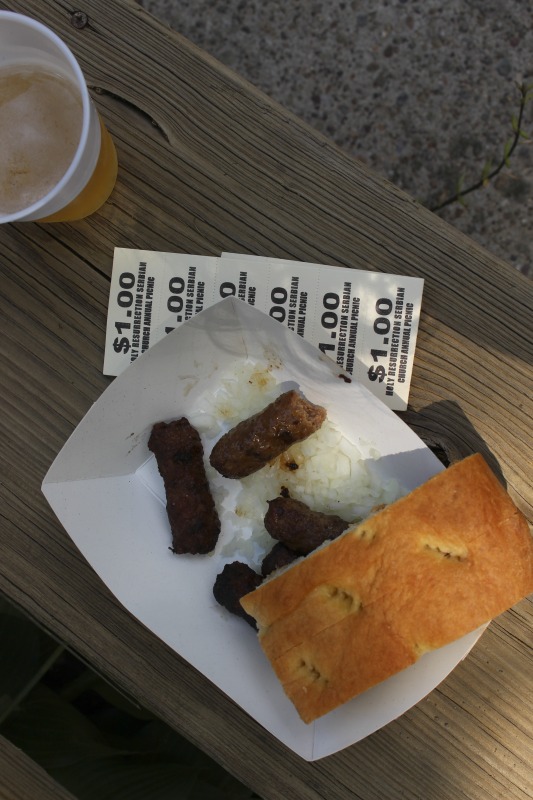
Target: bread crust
pixel 424 571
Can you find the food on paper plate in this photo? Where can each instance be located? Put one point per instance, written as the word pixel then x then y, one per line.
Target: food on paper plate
pixel 193 518
pixel 300 528
pixel 424 571
pixel 279 556
pixel 300 531
pixel 328 471
pixel 236 580
pixel 256 441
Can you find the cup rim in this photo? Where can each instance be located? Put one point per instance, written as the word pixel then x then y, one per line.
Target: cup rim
pixel 43 29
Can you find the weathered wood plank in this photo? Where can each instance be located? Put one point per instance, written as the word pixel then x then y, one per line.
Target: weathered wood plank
pixel 23 779
pixel 239 173
pixel 207 163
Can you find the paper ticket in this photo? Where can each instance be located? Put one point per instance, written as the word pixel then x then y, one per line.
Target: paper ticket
pixel 367 322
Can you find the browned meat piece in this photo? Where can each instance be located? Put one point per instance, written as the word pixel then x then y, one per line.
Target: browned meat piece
pixel 255 441
pixel 279 556
pixel 191 510
pixel 298 527
pixel 236 580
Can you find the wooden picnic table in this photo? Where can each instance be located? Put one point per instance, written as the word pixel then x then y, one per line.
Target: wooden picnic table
pixel 22 779
pixel 210 164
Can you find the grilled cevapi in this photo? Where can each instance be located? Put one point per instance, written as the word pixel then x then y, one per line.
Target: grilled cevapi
pixel 300 528
pixel 236 580
pixel 193 518
pixel 255 441
pixel 280 556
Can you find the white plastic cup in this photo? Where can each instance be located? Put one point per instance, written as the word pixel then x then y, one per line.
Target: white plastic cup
pixel 91 175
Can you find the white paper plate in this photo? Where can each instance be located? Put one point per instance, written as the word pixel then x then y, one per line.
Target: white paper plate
pixel 105 490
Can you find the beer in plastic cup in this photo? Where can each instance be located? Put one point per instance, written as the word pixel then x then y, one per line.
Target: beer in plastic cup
pixel 57 160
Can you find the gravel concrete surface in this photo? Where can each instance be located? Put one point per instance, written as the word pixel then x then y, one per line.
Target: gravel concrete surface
pixel 423 91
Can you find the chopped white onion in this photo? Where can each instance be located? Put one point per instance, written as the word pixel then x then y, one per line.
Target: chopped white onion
pixel 332 472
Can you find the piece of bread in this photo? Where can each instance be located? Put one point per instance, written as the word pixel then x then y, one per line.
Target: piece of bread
pixel 426 570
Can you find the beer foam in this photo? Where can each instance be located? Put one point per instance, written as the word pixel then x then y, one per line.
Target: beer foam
pixel 41 118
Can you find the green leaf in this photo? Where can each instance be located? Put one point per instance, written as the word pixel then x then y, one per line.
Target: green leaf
pixel 527 91
pixel 507 151
pixel 459 190
pixel 487 168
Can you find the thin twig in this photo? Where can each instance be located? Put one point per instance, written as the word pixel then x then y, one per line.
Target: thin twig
pixel 518 133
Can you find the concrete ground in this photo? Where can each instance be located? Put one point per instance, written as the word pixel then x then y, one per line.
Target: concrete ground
pixel 423 91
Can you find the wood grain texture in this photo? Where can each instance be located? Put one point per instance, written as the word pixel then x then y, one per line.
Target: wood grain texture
pixel 22 779
pixel 207 163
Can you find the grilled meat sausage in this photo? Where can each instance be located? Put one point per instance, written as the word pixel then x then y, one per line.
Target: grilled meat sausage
pixel 298 527
pixel 236 580
pixel 279 556
pixel 259 439
pixel 191 510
